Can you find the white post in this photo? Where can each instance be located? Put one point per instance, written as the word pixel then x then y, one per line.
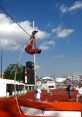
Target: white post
pixel 34 63
pixel 1 56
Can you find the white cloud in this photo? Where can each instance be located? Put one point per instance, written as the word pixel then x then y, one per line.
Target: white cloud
pixel 77 5
pixel 12 37
pixel 62 32
pixel 45 45
pixel 9 45
pixel 63 9
pixel 41 34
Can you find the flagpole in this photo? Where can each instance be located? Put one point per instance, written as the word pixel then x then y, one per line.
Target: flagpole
pixel 34 63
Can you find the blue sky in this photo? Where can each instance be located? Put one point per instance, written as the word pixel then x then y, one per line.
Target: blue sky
pixel 59 25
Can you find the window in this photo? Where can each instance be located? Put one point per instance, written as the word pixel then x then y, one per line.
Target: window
pixel 51 86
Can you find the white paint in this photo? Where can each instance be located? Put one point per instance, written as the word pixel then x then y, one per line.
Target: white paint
pixel 38 112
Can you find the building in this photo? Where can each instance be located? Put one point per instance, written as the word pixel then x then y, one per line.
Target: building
pixel 48 83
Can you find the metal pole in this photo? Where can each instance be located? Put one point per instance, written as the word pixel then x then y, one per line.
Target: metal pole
pixel 1 61
pixel 34 63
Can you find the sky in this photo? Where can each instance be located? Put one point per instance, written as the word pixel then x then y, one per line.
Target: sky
pixel 59 25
